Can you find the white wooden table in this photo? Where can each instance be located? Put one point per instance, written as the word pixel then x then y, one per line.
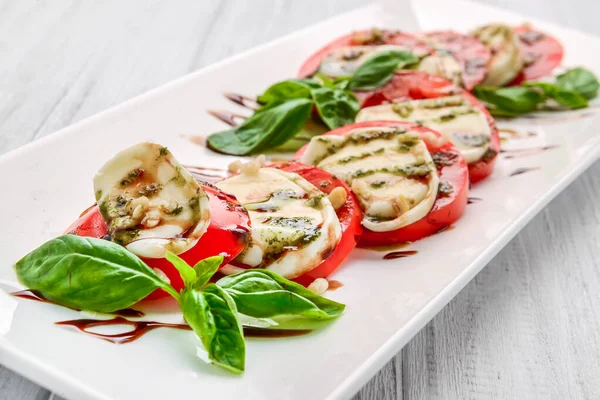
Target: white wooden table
pixel 527 327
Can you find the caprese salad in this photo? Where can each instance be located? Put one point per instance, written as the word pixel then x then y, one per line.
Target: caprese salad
pixel 388 130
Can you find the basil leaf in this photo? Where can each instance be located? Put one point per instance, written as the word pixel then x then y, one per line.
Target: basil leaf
pixel 511 101
pixel 205 269
pixel 264 294
pixel 566 98
pixel 188 275
pixel 379 69
pixel 265 129
pixel 579 80
pixel 336 107
pixel 212 315
pixel 281 91
pixel 88 274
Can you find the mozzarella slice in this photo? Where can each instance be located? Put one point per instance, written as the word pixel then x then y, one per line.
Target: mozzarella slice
pixel 150 202
pixel 344 61
pixel 452 116
pixel 294 225
pixel 389 169
pixel 442 64
pixel 507 60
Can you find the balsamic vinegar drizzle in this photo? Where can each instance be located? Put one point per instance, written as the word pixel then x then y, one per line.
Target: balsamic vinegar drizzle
pixel 244 101
pixel 518 153
pixel 513 133
pixel 228 117
pixel 140 328
pixel 523 170
pixel 399 254
pixel 471 200
pixel 37 296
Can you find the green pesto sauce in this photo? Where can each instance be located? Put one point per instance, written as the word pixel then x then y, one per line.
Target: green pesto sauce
pixel 178 178
pixel 409 171
pixel 403 110
pixel 150 190
pixel 445 188
pixel 316 202
pixel 132 176
pixel 306 229
pixel 378 184
pixel 125 236
pixel 472 139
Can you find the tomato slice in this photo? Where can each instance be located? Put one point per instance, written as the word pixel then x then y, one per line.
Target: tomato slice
pixel 542 53
pixel 417 85
pixel 447 209
pixel 227 235
pixel 470 52
pixel 361 38
pixel 349 215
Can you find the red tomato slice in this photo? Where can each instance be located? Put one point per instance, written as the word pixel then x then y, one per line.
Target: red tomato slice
pixel 468 51
pixel 542 53
pixel 447 209
pixel 349 214
pixel 361 38
pixel 227 235
pixel 416 85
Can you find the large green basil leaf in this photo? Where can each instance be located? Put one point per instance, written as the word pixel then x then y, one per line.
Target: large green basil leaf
pixel 510 101
pixel 379 69
pixel 265 129
pixel 264 294
pixel 579 80
pixel 336 107
pixel 212 315
pixel 566 98
pixel 88 274
pixel 282 91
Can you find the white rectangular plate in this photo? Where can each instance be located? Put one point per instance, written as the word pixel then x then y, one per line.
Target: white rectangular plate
pixel 46 184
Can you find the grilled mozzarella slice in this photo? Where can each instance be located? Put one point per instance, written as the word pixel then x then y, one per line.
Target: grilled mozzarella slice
pixel 388 168
pixel 150 202
pixel 294 226
pixel 452 116
pixel 507 60
pixel 442 64
pixel 344 61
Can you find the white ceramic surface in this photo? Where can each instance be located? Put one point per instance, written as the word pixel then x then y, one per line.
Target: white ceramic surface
pixel 47 183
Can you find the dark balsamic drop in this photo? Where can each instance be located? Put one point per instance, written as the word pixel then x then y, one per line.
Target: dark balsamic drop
pixel 471 200
pixel 523 170
pixel 242 100
pixel 229 118
pixel 399 254
pixel 519 153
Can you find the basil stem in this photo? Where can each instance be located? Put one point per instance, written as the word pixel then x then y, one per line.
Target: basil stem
pixel 212 315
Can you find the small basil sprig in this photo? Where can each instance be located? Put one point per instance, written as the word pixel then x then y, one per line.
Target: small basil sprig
pixel 264 294
pixel 379 69
pixel 286 109
pixel 88 274
pixel 570 91
pixel 213 316
pixel 98 275
pixel 579 80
